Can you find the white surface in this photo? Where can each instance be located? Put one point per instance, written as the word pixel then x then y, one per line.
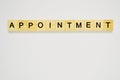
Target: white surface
pixel 59 56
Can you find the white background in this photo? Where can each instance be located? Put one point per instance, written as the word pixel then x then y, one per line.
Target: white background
pixel 59 56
